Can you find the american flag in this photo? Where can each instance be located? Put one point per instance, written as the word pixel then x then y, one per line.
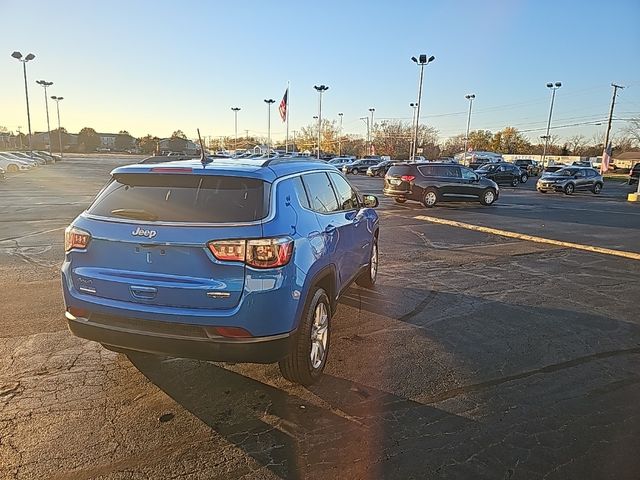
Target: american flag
pixel 606 159
pixel 284 103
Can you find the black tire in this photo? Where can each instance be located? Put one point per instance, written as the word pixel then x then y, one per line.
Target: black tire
pixel 514 182
pixel 297 367
pixel 400 200
pixel 12 168
pixel 367 279
pixel 542 191
pixel 523 178
pixel 569 188
pixel 488 197
pixel 597 188
pixel 430 197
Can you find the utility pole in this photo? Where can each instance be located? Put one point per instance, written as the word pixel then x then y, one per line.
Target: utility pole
pixel 613 104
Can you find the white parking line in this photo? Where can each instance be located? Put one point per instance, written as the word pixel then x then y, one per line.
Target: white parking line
pixel 529 238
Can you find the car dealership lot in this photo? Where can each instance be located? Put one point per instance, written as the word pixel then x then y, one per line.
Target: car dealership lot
pixel 476 355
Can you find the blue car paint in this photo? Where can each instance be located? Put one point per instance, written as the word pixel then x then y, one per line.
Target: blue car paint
pixel 131 273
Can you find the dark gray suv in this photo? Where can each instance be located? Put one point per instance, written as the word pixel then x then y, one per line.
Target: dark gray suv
pixel 570 180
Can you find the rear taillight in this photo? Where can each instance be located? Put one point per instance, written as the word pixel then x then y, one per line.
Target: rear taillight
pixel 269 252
pixel 258 253
pixel 75 238
pixel 407 178
pixel 228 250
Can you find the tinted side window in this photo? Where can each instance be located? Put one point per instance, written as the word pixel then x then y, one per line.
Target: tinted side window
pixel 300 192
pixel 468 174
pixel 347 197
pixel 321 195
pixel 447 171
pixel 427 171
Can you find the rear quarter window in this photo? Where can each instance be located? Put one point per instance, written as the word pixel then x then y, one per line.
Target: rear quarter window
pixel 183 198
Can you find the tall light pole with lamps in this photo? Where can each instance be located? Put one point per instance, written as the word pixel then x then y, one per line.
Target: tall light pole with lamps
pixel 553 87
pixel 269 102
pixel 372 124
pixel 29 57
pixel 366 120
pixel 57 100
pixel 413 121
pixel 422 60
pixel 340 136
pixel 469 97
pixel 46 84
pixel 235 122
pixel 320 89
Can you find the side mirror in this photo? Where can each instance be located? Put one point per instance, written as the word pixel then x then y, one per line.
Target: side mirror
pixel 370 201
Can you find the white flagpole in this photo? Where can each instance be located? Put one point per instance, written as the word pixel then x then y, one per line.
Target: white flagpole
pixel 286 148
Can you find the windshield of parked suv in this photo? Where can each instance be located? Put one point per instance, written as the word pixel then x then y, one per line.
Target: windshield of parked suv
pixel 566 172
pixel 183 198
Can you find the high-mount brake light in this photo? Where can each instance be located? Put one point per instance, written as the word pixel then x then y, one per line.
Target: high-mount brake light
pixel 407 178
pixel 257 253
pixel 171 170
pixel 75 238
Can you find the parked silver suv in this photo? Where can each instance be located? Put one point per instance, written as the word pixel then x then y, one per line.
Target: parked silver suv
pixel 571 179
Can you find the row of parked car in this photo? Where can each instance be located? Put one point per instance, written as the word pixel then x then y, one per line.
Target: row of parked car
pixel 12 162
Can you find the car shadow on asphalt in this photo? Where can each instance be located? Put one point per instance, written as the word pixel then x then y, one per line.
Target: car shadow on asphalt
pixel 291 436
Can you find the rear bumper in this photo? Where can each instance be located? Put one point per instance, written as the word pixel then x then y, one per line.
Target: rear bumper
pixel 130 334
pixel 396 193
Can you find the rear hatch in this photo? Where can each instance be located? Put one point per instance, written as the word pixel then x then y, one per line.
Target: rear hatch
pixel 398 179
pixel 150 234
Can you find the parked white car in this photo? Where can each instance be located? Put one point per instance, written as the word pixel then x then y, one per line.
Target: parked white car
pixel 10 164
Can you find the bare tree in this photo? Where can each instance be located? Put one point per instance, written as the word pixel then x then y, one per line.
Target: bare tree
pixel 577 143
pixel 632 131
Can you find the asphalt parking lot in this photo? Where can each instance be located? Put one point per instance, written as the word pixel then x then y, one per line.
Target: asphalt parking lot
pixel 477 355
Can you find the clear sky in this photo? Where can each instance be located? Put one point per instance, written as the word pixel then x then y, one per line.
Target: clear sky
pixel 157 66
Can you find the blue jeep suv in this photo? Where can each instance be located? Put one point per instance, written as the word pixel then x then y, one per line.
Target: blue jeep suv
pixel 234 260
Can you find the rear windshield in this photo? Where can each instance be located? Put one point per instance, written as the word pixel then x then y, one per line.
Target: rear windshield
pixel 400 170
pixel 183 198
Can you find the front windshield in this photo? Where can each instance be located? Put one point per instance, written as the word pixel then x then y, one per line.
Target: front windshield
pixel 566 172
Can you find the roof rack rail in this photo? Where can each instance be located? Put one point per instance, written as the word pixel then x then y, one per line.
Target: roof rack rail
pixel 300 158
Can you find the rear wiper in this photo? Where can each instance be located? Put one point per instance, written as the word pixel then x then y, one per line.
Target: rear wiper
pixel 134 214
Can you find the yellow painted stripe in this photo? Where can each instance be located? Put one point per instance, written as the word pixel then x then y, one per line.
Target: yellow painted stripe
pixel 529 238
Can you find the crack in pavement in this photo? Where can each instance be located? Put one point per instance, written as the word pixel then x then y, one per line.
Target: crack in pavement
pixel 519 376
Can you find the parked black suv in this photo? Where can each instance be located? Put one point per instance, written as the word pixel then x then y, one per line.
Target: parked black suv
pixel 503 173
pixel 528 165
pixel 431 183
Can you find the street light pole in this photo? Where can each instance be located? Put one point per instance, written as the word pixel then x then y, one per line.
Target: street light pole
pixel 366 119
pixel 422 60
pixel 469 97
pixel 235 114
pixel 372 124
pixel 320 89
pixel 269 102
pixel 315 117
pixel 413 121
pixel 29 57
pixel 340 136
pixel 46 84
pixel 553 87
pixel 57 99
